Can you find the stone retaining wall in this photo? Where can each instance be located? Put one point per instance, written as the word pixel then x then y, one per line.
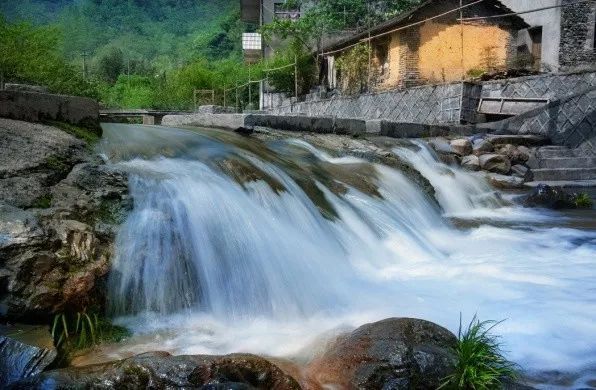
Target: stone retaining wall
pixel 431 104
pixel 39 107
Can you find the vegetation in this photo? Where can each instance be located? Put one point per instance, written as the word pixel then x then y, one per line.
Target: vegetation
pixel 480 361
pixel 80 330
pixel 353 66
pixel 583 201
pixel 43 202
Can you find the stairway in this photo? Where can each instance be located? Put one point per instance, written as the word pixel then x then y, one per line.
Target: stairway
pixel 559 165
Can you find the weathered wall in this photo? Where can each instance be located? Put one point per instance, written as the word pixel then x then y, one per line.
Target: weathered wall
pixel 38 107
pixel 577 49
pixel 549 20
pixel 440 53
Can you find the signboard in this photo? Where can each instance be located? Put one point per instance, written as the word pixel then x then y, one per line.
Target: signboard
pixel 251 41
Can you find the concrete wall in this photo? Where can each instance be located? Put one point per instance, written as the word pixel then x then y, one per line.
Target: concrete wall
pixel 38 107
pixel 549 20
pixel 577 49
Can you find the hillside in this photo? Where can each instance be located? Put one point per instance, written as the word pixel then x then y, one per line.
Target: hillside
pixel 158 34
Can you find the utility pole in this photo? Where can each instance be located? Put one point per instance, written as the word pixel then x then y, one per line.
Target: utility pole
pixel 84 54
pixel 369 46
pixel 249 90
pixel 461 20
pixel 237 105
pixel 296 77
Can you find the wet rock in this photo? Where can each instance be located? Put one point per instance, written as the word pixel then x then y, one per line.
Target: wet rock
pixel 441 146
pixel 522 171
pixel 25 351
pixel 482 146
pixel 505 182
pixel 55 257
pixel 395 353
pixel 160 370
pixel 471 163
pixel 461 146
pixel 549 197
pixel 526 140
pixel 495 163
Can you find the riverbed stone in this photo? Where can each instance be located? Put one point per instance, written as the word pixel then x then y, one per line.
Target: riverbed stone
pixel 471 163
pixel 395 353
pixel 461 146
pixel 514 153
pixel 549 197
pixel 25 351
pixel 522 171
pixel 497 163
pixel 161 370
pixel 505 182
pixel 482 146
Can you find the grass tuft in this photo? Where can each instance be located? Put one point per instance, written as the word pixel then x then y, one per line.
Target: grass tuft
pixel 583 201
pixel 480 361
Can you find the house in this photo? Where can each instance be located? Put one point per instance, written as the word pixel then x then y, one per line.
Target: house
pixel 435 42
pixel 561 36
pixel 258 12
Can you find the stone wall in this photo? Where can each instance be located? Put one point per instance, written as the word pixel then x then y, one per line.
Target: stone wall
pixel 39 107
pixel 577 49
pixel 431 104
pixel 548 86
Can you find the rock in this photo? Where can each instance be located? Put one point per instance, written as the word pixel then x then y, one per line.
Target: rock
pixel 526 140
pixel 515 154
pixel 25 351
pixel 549 197
pixel 461 146
pixel 159 370
pixel 495 163
pixel 482 146
pixel 55 255
pixel 244 130
pixel 505 182
pixel 522 171
pixel 471 163
pixel 441 146
pixel 395 353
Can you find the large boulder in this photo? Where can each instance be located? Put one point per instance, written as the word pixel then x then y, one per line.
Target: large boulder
pixel 549 197
pixel 56 234
pixel 516 154
pixel 522 171
pixel 25 351
pixel 461 146
pixel 505 182
pixel 160 370
pixel 471 163
pixel 482 146
pixel 395 353
pixel 495 163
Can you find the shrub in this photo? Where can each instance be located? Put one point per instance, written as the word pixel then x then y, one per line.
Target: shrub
pixel 480 362
pixel 583 201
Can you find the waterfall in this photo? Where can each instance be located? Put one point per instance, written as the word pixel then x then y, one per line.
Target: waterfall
pixel 262 246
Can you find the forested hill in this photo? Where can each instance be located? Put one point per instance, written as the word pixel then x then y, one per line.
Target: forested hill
pixel 156 33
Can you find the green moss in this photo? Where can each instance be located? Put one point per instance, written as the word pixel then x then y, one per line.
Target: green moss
pixel 56 163
pixel 110 212
pixel 81 133
pixel 43 202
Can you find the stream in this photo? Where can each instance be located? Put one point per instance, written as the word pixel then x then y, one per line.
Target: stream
pixel 274 246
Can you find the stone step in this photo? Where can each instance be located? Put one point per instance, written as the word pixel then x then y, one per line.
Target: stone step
pixel 564 174
pixel 556 152
pixel 572 184
pixel 566 162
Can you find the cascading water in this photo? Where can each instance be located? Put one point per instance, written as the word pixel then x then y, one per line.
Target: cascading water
pixel 237 245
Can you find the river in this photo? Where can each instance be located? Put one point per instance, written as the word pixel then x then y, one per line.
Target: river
pixel 273 246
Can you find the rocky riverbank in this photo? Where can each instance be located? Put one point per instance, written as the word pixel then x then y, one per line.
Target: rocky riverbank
pixel 59 209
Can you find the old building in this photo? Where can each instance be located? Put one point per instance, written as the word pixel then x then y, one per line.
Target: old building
pixel 561 33
pixel 434 43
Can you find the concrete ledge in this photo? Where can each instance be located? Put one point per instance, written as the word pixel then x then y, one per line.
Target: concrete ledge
pixel 38 107
pixel 222 121
pixel 419 130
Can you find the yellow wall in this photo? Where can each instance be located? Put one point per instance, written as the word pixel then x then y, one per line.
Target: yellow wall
pixel 440 51
pixel 439 54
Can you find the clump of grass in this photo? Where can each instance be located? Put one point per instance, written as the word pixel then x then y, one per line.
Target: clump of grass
pixel 480 361
pixel 56 163
pixel 583 201
pixel 72 332
pixel 81 133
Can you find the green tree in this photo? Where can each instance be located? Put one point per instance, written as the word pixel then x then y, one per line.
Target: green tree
pixel 110 64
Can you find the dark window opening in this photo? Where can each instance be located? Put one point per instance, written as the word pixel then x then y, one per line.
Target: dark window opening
pixel 536 50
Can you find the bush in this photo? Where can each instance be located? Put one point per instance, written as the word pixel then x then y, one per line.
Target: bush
pixel 480 362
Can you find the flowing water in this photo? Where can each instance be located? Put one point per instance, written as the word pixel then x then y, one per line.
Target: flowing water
pixel 270 246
